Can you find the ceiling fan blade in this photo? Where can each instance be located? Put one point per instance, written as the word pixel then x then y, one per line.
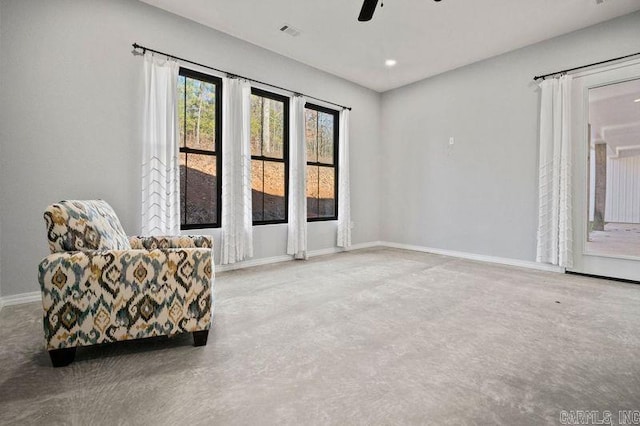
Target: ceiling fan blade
pixel 368 7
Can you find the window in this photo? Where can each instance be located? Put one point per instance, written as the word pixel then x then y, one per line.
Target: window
pixel 269 157
pixel 321 126
pixel 200 121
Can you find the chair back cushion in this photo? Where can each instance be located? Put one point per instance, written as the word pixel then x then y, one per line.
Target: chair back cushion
pixel 84 225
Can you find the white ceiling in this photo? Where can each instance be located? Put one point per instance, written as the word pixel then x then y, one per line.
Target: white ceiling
pixel 425 37
pixel 615 117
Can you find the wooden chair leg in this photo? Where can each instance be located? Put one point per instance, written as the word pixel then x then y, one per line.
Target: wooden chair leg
pixel 62 357
pixel 200 337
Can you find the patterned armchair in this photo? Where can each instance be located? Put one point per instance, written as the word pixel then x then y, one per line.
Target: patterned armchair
pixel 100 286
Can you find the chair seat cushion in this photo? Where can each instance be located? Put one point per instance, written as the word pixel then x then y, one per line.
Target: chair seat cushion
pixel 84 225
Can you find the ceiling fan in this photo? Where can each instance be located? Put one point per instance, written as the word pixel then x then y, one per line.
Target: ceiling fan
pixel 368 7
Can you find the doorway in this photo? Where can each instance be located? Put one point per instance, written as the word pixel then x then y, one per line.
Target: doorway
pixel 606 171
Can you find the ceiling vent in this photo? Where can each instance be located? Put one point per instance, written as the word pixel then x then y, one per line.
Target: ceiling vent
pixel 288 29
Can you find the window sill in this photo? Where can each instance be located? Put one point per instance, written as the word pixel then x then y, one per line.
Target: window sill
pixel 322 219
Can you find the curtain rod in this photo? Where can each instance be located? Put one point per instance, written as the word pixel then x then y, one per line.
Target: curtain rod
pixel 231 75
pixel 538 77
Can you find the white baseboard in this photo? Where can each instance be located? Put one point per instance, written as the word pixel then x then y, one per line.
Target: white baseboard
pixel 285 257
pixel 478 257
pixel 35 296
pixel 252 262
pixel 333 250
pixel 18 299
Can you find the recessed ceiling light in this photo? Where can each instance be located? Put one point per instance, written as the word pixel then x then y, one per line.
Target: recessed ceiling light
pixel 637 100
pixel 390 62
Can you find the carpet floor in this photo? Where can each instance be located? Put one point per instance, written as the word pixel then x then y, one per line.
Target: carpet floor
pixel 377 336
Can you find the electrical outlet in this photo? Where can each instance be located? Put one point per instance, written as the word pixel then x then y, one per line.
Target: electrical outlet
pixel 451 140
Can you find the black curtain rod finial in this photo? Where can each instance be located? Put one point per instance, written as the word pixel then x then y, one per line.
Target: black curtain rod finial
pixel 137 46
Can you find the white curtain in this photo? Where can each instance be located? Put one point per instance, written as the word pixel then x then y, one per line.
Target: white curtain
pixel 160 169
pixel 297 226
pixel 554 214
pixel 344 196
pixel 237 227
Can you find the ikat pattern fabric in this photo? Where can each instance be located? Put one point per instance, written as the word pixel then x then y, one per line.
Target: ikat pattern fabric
pixel 98 296
pixel 185 241
pixel 84 225
pixel 106 296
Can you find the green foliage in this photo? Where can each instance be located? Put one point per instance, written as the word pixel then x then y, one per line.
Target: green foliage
pixel 325 137
pixel 267 127
pixel 197 113
pixel 319 136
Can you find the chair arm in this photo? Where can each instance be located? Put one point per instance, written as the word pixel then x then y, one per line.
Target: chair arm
pixel 162 242
pixel 92 297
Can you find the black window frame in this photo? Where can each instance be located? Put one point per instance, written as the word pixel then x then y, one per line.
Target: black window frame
pixel 285 155
pixel 217 152
pixel 336 135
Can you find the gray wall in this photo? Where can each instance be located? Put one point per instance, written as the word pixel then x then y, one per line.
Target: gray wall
pixel 1 153
pixel 480 195
pixel 70 124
